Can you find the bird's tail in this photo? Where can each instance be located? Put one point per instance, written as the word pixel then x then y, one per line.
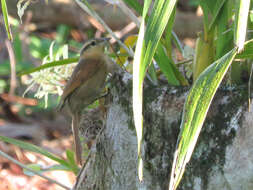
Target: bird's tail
pixel 77 143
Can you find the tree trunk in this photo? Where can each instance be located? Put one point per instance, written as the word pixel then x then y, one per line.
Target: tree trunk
pixel 222 159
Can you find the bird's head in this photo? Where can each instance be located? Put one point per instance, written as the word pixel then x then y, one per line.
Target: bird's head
pixel 94 48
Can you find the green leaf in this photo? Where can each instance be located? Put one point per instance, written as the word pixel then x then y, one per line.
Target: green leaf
pixel 138 87
pixel 205 8
pixel 194 114
pixel 241 23
pixel 145 49
pixel 224 42
pixel 6 20
pixel 71 157
pixel 204 55
pixel 166 66
pixel 17 44
pixel 152 74
pixel 177 42
pixel 216 10
pixel 71 160
pixel 62 33
pixel 157 22
pixel 168 33
pixel 137 95
pixel 135 5
pixel 39 46
pixel 51 64
pixel 247 52
pixel 214 6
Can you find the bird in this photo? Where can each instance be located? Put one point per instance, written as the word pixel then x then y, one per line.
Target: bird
pixel 85 85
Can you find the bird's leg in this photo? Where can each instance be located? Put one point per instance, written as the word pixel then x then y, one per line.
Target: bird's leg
pixel 77 143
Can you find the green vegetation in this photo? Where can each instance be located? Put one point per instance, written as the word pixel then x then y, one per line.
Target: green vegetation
pixel 223 43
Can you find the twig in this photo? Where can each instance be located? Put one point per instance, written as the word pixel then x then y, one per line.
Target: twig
pixel 124 31
pixel 184 61
pixel 20 100
pixel 33 171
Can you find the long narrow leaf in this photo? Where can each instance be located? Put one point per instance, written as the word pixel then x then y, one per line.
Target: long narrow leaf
pixel 33 148
pixel 51 64
pixel 216 11
pixel 247 52
pixel 224 41
pixel 194 114
pixel 157 22
pixel 138 88
pixel 137 96
pixel 6 20
pixel 241 23
pixel 135 5
pixel 166 66
pixel 145 50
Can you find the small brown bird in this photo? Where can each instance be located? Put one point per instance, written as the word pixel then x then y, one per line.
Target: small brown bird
pixel 85 84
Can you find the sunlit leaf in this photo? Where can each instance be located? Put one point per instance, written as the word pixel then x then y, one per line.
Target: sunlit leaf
pixel 138 87
pixel 145 50
pixel 194 114
pixel 6 20
pixel 166 66
pixel 49 65
pixel 130 42
pixel 216 10
pixel 241 23
pixel 247 52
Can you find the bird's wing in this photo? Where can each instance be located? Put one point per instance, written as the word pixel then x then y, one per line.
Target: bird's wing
pixel 83 71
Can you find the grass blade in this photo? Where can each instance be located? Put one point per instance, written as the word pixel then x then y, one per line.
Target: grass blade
pixel 157 22
pixel 51 64
pixel 145 49
pixel 195 110
pixel 6 20
pixel 137 96
pixel 247 52
pixel 216 11
pixel 138 88
pixel 166 66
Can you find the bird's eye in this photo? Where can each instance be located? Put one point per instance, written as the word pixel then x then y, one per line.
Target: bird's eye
pixel 93 43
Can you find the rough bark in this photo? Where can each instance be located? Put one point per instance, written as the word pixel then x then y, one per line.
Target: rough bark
pixel 222 159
